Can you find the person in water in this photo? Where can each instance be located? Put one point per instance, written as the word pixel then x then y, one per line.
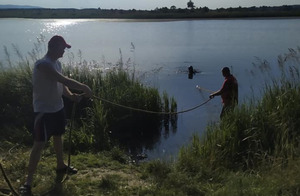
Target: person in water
pixel 228 92
pixel 49 85
pixel 192 72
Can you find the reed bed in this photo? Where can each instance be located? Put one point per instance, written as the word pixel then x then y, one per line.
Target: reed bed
pixel 96 121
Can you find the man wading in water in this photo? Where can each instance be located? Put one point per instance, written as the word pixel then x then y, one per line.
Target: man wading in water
pixel 228 92
pixel 48 87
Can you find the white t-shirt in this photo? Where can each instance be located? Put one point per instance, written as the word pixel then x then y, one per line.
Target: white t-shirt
pixel 47 93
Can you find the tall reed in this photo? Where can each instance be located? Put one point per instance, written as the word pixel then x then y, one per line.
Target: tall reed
pixel 253 134
pixel 96 120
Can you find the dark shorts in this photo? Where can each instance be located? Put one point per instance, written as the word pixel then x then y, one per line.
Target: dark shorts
pixel 48 124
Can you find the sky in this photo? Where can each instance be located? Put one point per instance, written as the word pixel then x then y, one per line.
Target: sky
pixel 147 4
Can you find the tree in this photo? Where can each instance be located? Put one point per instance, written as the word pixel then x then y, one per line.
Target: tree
pixel 205 9
pixel 190 4
pixel 173 7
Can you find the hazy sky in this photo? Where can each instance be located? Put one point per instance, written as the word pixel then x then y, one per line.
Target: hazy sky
pixel 147 4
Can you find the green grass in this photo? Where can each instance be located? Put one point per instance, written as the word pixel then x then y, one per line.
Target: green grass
pixel 99 174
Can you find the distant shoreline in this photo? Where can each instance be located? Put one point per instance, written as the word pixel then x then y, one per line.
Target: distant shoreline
pixel 162 19
pixel 158 14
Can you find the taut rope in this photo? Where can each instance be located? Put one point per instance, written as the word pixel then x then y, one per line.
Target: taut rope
pixel 148 111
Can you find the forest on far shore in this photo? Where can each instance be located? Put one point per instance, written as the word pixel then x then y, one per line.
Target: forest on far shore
pixel 190 12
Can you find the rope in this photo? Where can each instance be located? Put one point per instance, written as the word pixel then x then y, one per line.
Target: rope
pixel 70 140
pixel 7 181
pixel 148 111
pixel 70 133
pixel 203 89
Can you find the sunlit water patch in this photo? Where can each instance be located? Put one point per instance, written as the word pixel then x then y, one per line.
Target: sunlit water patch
pixel 58 25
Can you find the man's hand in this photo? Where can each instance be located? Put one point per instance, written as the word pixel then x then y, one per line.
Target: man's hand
pixel 77 97
pixel 87 91
pixel 211 96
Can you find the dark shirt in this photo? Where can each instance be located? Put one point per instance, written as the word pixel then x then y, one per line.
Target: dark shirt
pixel 229 91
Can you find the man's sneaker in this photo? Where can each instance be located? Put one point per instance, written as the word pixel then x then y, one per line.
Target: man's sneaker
pixel 70 170
pixel 25 190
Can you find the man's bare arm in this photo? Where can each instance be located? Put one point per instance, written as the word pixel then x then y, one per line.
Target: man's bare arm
pixel 68 82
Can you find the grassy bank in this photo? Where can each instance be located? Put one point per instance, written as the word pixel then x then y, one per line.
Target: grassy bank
pixel 253 151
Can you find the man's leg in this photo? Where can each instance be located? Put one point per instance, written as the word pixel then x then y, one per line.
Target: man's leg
pixel 61 166
pixel 225 110
pixel 58 147
pixel 33 161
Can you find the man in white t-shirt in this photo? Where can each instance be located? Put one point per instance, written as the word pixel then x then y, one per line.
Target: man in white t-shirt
pixel 49 85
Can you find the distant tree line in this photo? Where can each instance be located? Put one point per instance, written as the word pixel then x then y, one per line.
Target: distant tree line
pixel 159 13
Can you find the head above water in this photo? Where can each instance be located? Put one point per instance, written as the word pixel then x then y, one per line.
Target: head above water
pixel 226 71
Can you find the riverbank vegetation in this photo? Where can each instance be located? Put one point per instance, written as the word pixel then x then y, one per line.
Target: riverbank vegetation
pixel 98 121
pixel 253 151
pixel 158 13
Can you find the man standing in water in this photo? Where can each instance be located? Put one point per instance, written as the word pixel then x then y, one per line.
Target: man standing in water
pixel 48 87
pixel 228 92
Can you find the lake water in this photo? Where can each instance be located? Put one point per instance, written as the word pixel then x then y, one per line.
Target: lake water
pixel 161 52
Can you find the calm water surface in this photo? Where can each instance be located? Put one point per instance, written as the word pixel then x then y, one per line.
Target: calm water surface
pixel 161 51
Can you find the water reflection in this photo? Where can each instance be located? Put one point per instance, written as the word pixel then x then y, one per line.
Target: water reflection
pixel 142 135
pixel 170 122
pixel 54 26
